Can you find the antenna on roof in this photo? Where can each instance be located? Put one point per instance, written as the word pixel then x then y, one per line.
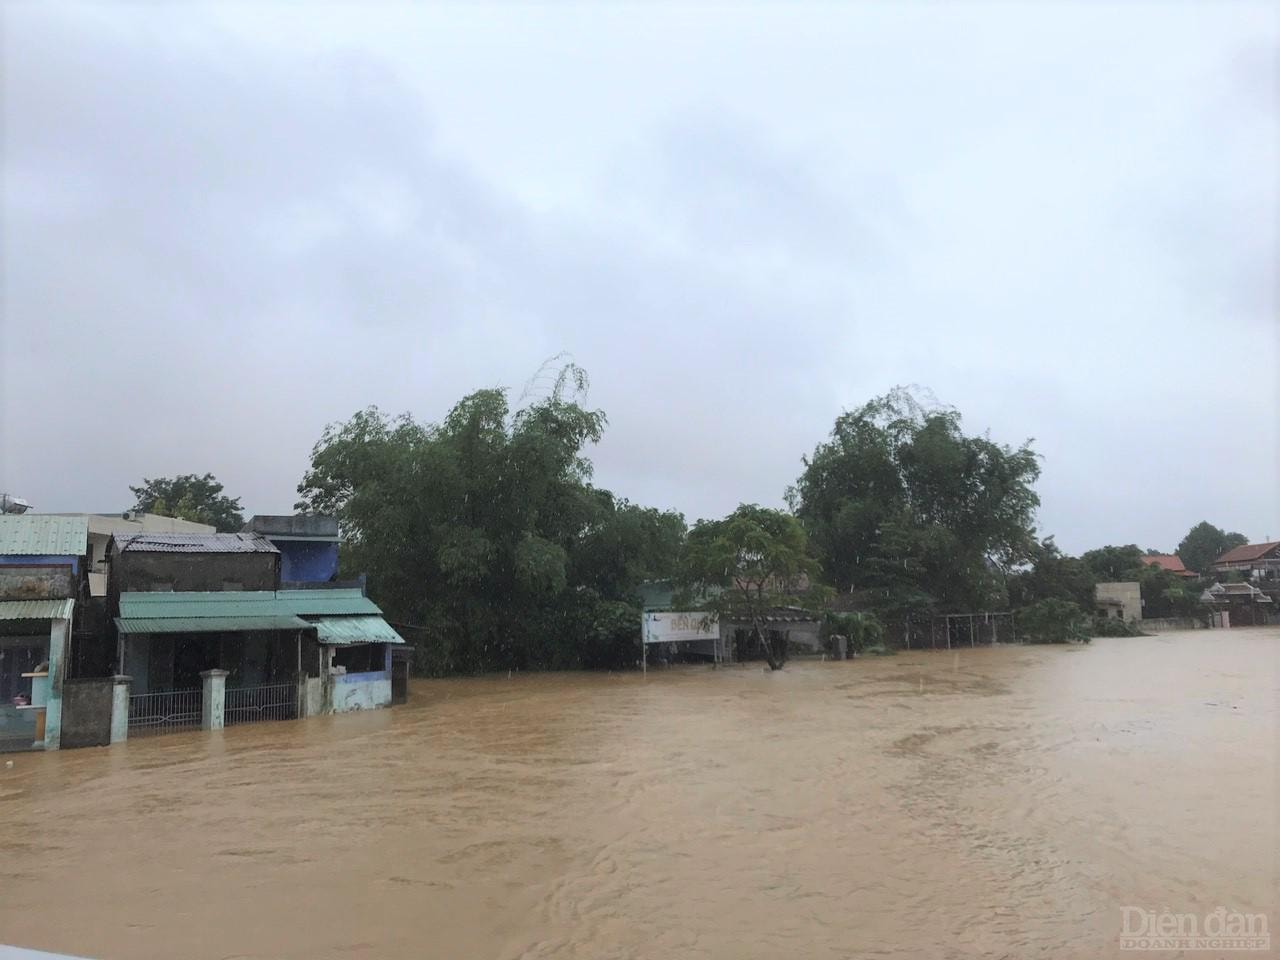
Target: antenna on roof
pixel 12 504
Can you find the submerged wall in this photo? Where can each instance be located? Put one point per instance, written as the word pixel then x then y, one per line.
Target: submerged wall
pixel 360 691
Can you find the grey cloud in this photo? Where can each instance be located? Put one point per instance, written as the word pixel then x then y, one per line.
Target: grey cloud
pixel 213 246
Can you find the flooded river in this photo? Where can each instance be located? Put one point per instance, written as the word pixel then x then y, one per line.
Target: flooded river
pixel 999 802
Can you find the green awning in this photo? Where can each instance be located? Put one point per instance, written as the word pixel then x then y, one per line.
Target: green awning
pixel 328 602
pixel 210 624
pixel 345 630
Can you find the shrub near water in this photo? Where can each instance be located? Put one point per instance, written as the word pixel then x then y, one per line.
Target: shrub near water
pixel 1053 621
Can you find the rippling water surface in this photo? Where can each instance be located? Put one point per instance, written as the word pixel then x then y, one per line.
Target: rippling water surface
pixel 994 802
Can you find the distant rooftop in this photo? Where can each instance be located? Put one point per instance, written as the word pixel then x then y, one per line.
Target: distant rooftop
pixel 1166 561
pixel 1250 551
pixel 43 535
pixel 193 543
pixel 297 526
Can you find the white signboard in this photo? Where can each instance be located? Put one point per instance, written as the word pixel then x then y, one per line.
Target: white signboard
pixel 672 627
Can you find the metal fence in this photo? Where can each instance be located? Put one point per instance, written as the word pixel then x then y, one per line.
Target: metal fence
pixel 271 701
pixel 164 712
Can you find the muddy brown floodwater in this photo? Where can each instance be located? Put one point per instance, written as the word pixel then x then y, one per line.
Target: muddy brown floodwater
pixel 1001 802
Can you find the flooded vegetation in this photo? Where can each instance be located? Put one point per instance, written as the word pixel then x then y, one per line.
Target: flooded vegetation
pixel 990 802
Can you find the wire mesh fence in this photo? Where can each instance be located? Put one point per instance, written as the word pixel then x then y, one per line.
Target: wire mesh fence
pixel 164 712
pixel 270 701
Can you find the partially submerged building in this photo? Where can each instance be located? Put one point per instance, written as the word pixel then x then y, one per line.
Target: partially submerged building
pixel 189 609
pixel 42 577
pixel 1239 605
pixel 1118 600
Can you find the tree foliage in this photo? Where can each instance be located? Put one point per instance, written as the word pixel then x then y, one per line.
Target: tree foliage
pixel 1053 621
pixel 902 504
pixel 1110 564
pixel 190 497
pixel 1204 543
pixel 1051 574
pixel 753 560
pixel 485 530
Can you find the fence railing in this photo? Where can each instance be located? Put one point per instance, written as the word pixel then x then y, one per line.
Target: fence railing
pixel 164 712
pixel 270 701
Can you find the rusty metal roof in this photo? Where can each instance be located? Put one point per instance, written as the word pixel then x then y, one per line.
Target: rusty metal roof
pixel 1250 551
pixel 36 609
pixel 193 543
pixel 44 535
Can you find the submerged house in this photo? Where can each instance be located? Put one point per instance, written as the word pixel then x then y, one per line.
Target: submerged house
pixel 1243 604
pixel 190 609
pixel 353 648
pixel 42 576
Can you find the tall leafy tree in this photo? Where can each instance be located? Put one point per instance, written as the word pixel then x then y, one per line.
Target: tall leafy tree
pixel 1111 563
pixel 485 530
pixel 905 507
pixel 749 562
pixel 190 497
pixel 1052 575
pixel 1204 543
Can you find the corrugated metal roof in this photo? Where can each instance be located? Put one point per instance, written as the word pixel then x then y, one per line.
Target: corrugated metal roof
pixel 44 535
pixel 36 609
pixel 210 624
pixel 345 630
pixel 319 603
pixel 230 603
pixel 193 543
pixel 1250 551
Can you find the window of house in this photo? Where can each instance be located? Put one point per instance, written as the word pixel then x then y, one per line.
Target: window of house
pixel 232 585
pixel 162 586
pixel 360 657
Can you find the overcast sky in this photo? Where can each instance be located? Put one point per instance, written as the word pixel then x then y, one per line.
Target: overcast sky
pixel 225 227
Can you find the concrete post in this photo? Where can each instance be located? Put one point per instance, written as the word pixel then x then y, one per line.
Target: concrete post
pixel 59 638
pixel 304 704
pixel 213 700
pixel 121 686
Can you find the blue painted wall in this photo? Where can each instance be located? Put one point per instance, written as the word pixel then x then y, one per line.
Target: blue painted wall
pixel 26 560
pixel 307 561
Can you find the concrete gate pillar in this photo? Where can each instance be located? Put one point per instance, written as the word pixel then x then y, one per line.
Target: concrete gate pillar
pixel 121 686
pixel 213 699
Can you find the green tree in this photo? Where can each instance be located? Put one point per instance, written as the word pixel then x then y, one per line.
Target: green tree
pixel 1110 563
pixel 1204 543
pixel 749 562
pixel 1053 621
pixel 485 531
pixel 1051 574
pixel 902 505
pixel 190 497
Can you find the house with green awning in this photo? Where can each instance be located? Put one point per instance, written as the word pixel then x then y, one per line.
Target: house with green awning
pixel 332 641
pixel 354 645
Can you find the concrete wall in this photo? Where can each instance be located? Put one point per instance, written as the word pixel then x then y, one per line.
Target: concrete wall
pixel 140 571
pixel 86 712
pixel 1163 624
pixel 360 691
pixel 1125 592
pixel 38 581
